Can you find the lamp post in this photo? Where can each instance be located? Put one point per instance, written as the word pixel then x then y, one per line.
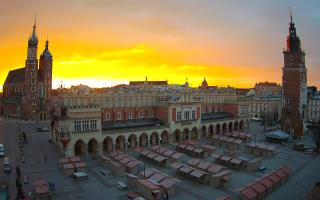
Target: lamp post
pixel 264 119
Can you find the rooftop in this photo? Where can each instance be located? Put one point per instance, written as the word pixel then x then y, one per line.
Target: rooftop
pixel 131 123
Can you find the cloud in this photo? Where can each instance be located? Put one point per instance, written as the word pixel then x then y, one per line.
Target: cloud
pixel 76 62
pixel 193 67
pixel 138 50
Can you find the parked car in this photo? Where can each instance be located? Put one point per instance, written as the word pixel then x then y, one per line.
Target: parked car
pixel 43 129
pixel 121 185
pixel 1 150
pixel 6 165
pixel 104 172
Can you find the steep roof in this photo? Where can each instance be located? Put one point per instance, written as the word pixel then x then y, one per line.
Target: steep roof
pixel 267 84
pixel 15 76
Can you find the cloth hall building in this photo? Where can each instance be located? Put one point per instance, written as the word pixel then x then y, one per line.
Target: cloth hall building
pixel 143 114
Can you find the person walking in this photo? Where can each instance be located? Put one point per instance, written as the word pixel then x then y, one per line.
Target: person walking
pixel 52 184
pixel 45 158
pixel 18 171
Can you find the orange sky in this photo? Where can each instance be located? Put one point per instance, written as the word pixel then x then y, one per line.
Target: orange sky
pixel 105 43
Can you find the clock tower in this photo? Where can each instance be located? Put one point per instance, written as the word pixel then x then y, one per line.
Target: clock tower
pixel 294 83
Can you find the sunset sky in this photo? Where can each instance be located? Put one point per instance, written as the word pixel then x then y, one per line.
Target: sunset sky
pixel 106 42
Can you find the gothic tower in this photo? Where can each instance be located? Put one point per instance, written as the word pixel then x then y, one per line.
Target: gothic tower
pixel 294 83
pixel 31 76
pixel 45 72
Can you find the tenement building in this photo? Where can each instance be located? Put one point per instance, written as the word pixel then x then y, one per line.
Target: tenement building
pixel 267 89
pixel 27 90
pixel 294 83
pixel 143 114
pixel 314 108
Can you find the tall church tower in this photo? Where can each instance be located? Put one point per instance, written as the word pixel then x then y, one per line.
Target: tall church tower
pixel 294 83
pixel 31 76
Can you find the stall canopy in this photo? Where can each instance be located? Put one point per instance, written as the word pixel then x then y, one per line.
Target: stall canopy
pixel 249 193
pixel 277 135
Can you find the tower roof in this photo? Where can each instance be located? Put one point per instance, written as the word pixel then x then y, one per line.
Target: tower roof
pixel 204 83
pixel 293 41
pixel 46 53
pixel 33 39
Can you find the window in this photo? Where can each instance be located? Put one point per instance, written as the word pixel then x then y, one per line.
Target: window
pixel 77 126
pixel 193 114
pixel 186 115
pixel 86 125
pixel 93 125
pixel 107 116
pixel 129 115
pixel 119 115
pixel 178 116
pixel 141 114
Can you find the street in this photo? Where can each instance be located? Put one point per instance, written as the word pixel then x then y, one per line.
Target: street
pixel 34 151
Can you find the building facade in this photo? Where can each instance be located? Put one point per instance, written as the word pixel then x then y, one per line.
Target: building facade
pixel 27 90
pixel 314 108
pixel 267 89
pixel 137 115
pixel 294 83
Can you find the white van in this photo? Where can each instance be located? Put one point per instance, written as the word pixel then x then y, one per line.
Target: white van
pixel 1 150
pixel 6 165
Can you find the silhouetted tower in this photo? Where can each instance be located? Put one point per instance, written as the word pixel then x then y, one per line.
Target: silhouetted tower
pixel 31 75
pixel 45 72
pixel 294 83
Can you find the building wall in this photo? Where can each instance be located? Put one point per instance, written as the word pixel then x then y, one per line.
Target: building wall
pixel 314 109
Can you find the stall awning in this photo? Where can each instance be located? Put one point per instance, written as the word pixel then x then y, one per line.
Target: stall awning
pixel 258 187
pixel 167 183
pixel 186 169
pixel 176 155
pixel 149 184
pixel 249 193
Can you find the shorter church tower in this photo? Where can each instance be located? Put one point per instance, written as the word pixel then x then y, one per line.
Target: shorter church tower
pixel 45 74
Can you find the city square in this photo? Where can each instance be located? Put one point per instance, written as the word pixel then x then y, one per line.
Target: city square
pixel 159 100
pixel 98 186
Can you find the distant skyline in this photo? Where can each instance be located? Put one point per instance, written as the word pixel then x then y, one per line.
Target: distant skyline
pixel 106 42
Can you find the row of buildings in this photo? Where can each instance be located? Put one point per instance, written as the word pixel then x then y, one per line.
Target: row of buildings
pixel 144 113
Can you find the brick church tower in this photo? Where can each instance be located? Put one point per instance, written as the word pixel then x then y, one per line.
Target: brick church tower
pixel 294 83
pixel 31 77
pixel 27 90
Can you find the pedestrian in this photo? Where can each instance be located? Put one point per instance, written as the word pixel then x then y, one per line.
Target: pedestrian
pixel 52 183
pixel 45 158
pixel 18 171
pixel 167 196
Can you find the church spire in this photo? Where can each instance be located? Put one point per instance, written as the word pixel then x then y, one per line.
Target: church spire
pixel 291 21
pixel 33 39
